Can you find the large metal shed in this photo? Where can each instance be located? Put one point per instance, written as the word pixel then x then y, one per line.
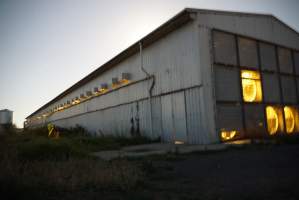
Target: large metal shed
pixel 202 77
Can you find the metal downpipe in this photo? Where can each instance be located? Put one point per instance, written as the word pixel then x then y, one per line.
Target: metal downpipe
pixel 152 85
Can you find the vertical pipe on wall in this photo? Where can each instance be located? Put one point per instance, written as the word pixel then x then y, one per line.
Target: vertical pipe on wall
pixel 151 88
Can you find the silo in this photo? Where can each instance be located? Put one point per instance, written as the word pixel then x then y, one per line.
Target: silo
pixel 6 116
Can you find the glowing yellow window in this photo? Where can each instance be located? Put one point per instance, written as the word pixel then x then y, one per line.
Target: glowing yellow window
pixel 251 86
pixel 274 119
pixel 291 119
pixel 228 135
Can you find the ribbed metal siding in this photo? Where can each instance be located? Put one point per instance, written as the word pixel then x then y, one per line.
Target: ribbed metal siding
pixel 174 117
pixel 271 91
pixel 296 62
pixel 6 117
pixel 254 119
pixel 173 60
pixel 262 27
pixel 144 117
pixel 167 122
pixel 194 117
pixel 157 117
pixel 288 89
pixel 179 116
pixel 227 84
pixel 229 117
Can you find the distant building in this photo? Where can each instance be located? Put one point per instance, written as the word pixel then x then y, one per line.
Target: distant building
pixel 203 77
pixel 6 116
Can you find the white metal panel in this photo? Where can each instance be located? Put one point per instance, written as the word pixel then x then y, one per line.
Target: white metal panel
pixel 296 62
pixel 145 117
pixel 288 89
pixel 167 122
pixel 254 119
pixel 6 116
pixel 174 117
pixel 207 93
pixel 157 117
pixel 229 117
pixel 271 91
pixel 227 83
pixel 194 117
pixel 264 28
pixel 172 59
pixel 179 116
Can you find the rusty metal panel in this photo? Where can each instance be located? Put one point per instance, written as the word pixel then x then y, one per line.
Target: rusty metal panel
pixel 271 91
pixel 227 84
pixel 254 120
pixel 288 89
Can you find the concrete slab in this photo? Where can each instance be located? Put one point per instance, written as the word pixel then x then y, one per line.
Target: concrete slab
pixel 157 149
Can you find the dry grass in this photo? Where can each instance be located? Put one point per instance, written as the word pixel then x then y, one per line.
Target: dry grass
pixel 35 167
pixel 70 175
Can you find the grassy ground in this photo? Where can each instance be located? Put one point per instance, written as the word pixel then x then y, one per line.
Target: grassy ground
pixel 33 166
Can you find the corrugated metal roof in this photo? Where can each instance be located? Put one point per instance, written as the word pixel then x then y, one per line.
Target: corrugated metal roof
pixel 174 23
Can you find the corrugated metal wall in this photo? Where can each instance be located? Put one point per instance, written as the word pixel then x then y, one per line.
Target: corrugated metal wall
pixel 176 116
pixel 250 43
pixel 128 111
pixel 187 84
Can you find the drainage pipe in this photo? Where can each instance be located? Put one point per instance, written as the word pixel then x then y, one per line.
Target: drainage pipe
pixel 150 91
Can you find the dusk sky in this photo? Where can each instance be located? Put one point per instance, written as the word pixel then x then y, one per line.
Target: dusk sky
pixel 48 45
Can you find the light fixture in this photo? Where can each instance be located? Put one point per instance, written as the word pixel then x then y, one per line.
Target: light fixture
pixel 274 118
pixel 88 93
pixel 115 82
pixel 125 78
pixel 178 142
pixel 251 86
pixel 82 96
pixel 289 116
pixel 228 135
pixel 104 88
